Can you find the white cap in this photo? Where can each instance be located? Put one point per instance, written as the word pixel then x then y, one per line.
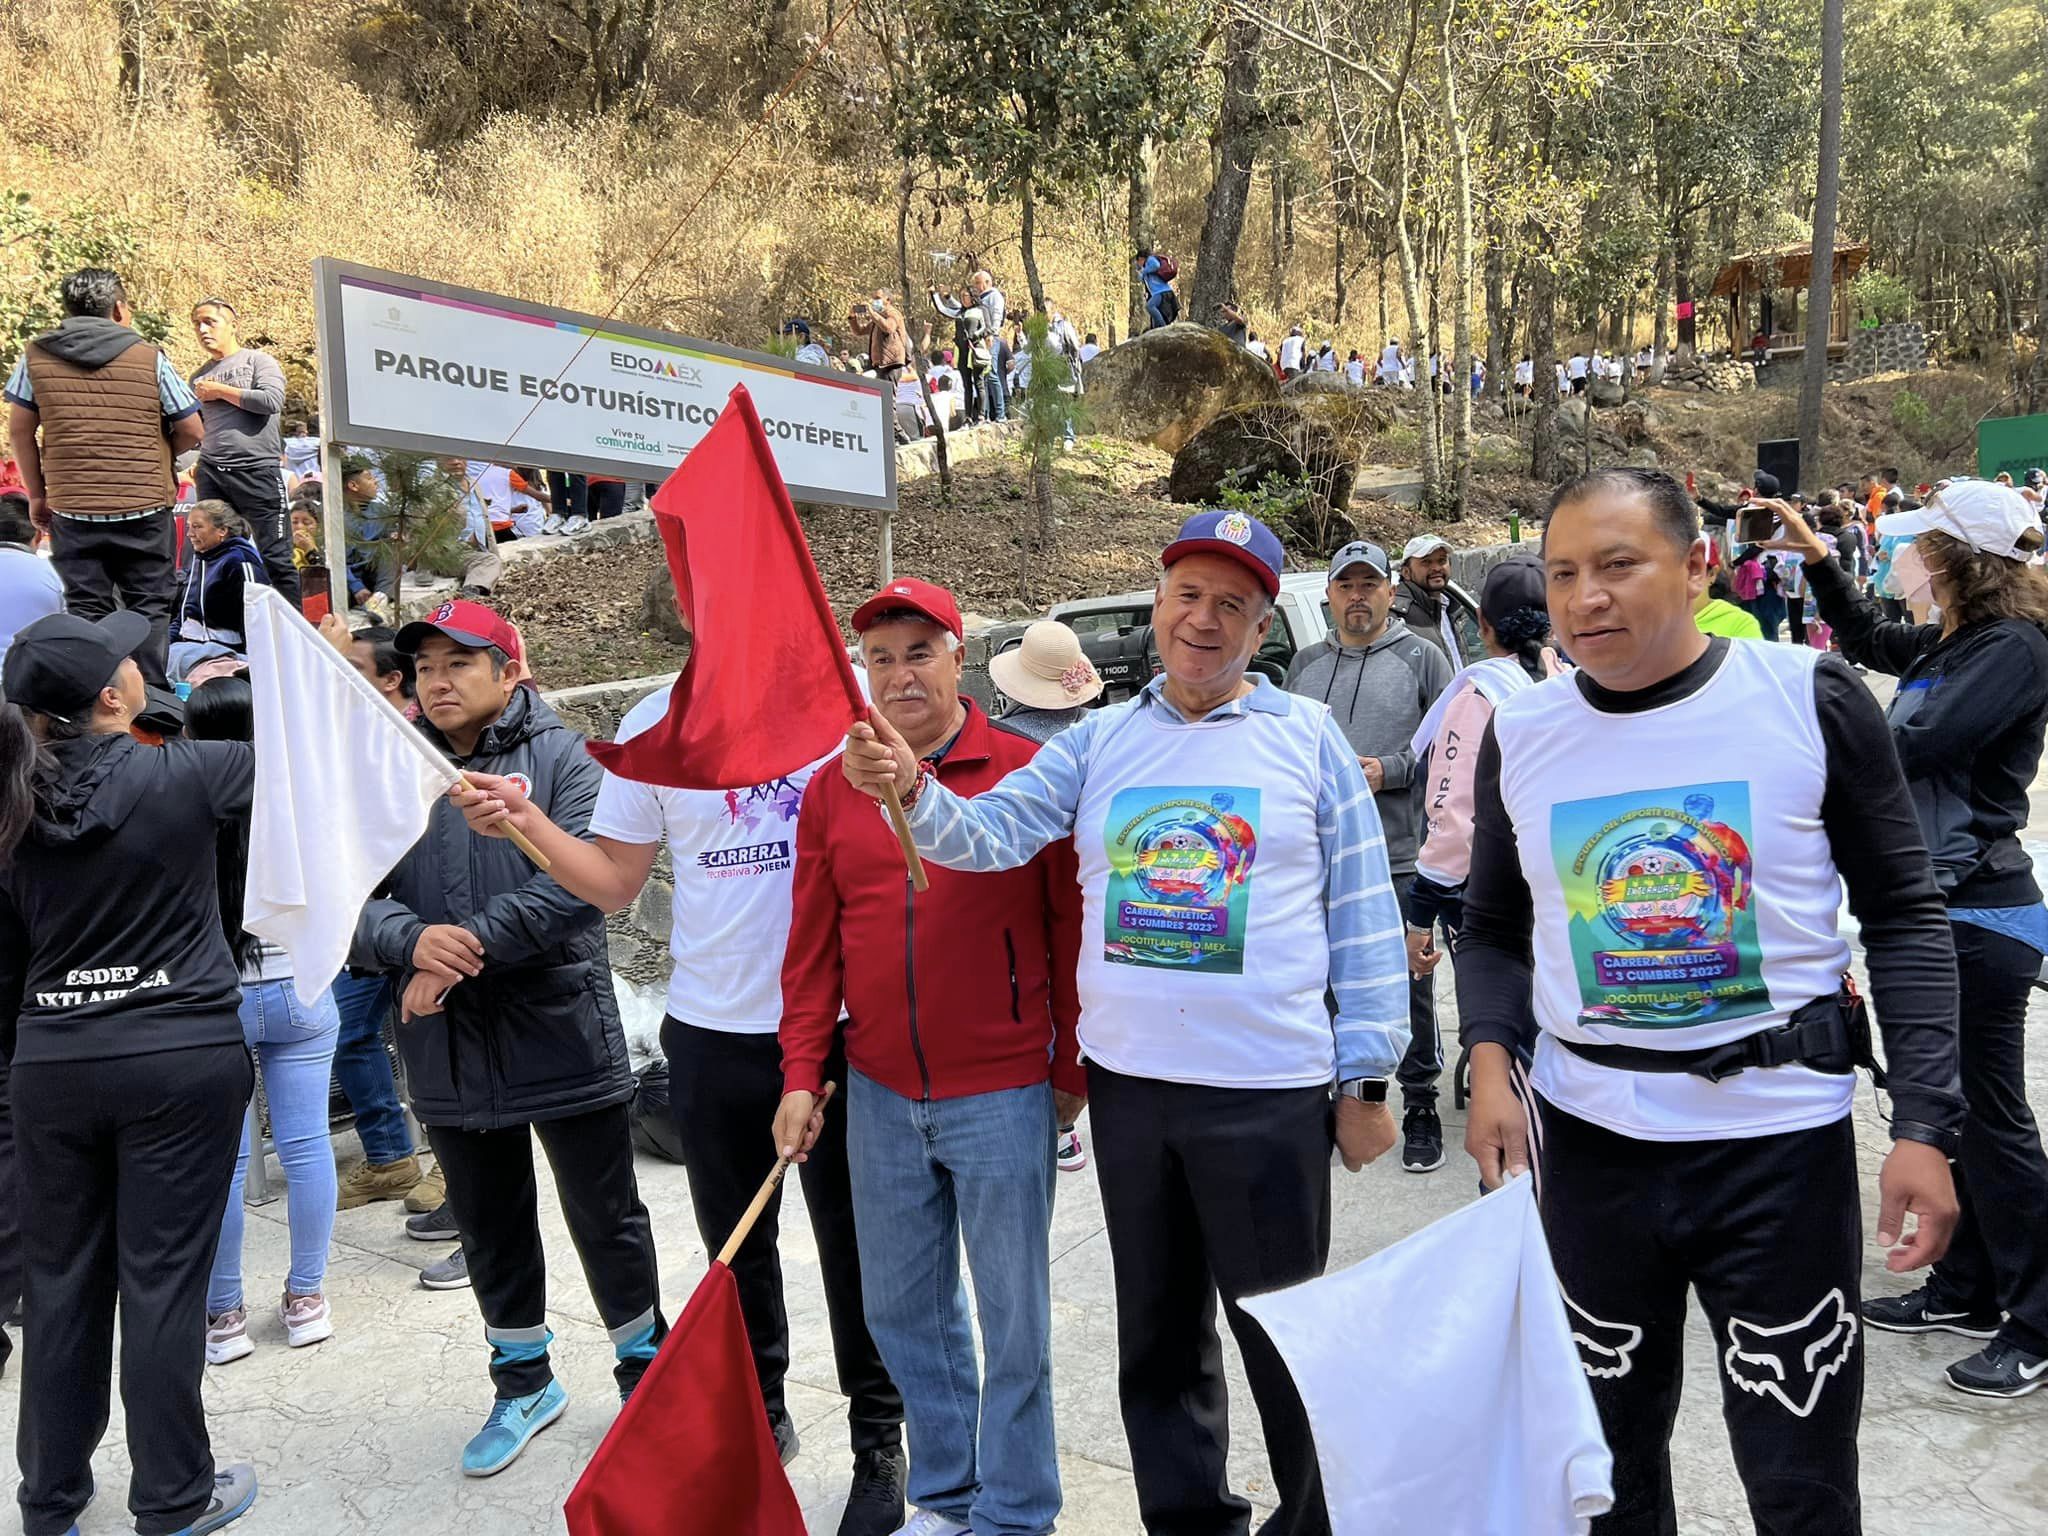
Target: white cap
pixel 1981 513
pixel 1423 544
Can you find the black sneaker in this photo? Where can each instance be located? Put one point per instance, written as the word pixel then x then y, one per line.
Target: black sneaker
pixel 2000 1369
pixel 786 1442
pixel 874 1503
pixel 1422 1139
pixel 1918 1312
pixel 436 1226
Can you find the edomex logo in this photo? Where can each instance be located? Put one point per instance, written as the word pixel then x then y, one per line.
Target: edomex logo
pixel 641 365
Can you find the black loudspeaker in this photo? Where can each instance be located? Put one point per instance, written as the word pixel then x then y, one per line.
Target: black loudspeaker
pixel 1780 457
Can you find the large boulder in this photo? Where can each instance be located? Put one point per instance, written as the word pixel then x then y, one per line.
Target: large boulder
pixel 1162 387
pixel 1319 440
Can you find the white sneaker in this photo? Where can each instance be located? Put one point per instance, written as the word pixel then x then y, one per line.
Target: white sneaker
pixel 227 1336
pixel 553 523
pixel 307 1319
pixel 576 524
pixel 927 1522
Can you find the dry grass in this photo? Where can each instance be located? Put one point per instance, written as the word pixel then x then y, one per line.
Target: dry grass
pixel 561 212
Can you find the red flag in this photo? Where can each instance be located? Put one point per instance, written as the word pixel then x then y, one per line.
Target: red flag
pixel 768 687
pixel 691 1454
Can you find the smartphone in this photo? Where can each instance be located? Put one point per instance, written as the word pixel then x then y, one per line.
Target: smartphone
pixel 1756 523
pixel 316 593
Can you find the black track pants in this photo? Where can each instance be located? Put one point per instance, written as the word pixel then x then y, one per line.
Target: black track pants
pixel 1769 1230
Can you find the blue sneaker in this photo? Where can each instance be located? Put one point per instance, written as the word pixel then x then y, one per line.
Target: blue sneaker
pixel 234 1490
pixel 513 1422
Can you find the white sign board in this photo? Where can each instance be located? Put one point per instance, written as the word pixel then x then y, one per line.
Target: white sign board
pixel 412 364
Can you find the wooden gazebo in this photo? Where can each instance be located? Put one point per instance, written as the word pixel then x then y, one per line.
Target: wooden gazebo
pixel 1754 285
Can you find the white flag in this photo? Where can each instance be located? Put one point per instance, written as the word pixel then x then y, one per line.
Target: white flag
pixel 1443 1385
pixel 343 787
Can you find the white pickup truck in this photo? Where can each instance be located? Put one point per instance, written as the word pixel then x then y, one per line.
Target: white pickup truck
pixel 1116 631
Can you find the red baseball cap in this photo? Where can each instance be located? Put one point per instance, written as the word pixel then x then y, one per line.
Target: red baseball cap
pixel 467 624
pixel 915 596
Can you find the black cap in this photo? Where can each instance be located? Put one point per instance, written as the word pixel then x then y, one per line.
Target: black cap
pixel 1766 483
pixel 58 665
pixel 1511 585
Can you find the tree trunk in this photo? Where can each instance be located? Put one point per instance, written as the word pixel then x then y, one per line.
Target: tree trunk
pixel 1434 497
pixel 1547 460
pixel 1342 296
pixel 1277 291
pixel 1458 371
pixel 1236 142
pixel 1499 336
pixel 905 185
pixel 1660 326
pixel 1813 377
pixel 1688 330
pixel 1027 244
pixel 1142 174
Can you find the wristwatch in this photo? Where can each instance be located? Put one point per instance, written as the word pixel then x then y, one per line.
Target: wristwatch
pixel 1367 1090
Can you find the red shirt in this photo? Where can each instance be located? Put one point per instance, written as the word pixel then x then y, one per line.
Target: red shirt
pixel 968 988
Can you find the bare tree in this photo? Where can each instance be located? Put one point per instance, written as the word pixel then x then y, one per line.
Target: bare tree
pixel 1813 377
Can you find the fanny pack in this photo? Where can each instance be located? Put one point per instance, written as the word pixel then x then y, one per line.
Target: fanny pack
pixel 1829 1034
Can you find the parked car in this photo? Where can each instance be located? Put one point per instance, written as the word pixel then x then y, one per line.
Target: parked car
pixel 1116 632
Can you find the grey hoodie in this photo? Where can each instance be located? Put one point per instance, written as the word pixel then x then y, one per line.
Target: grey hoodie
pixel 1379 696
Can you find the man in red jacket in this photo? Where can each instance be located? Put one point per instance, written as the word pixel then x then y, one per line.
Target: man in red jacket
pixel 961 1009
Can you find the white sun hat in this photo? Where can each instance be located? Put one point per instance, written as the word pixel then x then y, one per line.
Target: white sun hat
pixel 1047 671
pixel 1981 513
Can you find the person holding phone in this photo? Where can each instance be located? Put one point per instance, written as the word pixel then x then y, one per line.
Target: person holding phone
pixel 1968 720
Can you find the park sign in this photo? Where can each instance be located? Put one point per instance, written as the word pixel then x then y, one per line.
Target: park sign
pixel 2011 445
pixel 422 366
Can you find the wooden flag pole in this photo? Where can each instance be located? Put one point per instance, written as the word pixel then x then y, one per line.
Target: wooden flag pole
pixel 901 822
pixel 763 1195
pixel 518 838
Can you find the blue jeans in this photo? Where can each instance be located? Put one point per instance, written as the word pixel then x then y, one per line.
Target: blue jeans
pixel 294 1045
pixel 926 1174
pixel 995 398
pixel 364 1067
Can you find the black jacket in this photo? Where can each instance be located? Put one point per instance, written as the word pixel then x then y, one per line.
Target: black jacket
pixel 1423 611
pixel 536 1035
pixel 212 601
pixel 110 932
pixel 1968 720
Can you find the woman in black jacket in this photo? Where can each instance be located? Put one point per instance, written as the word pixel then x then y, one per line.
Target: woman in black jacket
pixel 1968 719
pixel 129 1071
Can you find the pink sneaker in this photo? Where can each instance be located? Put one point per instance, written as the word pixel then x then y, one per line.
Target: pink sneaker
pixel 227 1336
pixel 307 1319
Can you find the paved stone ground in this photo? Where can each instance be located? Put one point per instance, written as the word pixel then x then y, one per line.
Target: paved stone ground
pixel 361 1434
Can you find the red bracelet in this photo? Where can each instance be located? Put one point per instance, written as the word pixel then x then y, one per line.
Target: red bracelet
pixel 924 774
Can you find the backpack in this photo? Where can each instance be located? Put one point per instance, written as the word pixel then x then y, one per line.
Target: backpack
pixel 1168 269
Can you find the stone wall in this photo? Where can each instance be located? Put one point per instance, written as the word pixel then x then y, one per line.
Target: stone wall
pixel 1900 347
pixel 1721 376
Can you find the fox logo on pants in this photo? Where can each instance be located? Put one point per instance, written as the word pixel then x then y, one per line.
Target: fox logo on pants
pixel 1605 1349
pixel 1792 1362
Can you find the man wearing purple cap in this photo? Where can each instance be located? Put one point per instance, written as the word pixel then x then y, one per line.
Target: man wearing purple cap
pixel 1232 869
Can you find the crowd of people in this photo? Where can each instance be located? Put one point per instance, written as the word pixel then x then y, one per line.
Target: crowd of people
pixel 1211 919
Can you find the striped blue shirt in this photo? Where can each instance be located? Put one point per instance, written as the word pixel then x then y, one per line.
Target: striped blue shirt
pixel 1004 827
